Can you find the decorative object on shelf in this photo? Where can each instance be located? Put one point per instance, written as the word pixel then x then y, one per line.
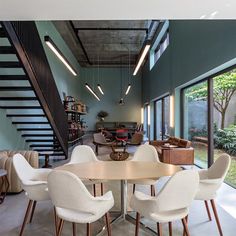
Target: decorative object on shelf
pixel 102 115
pixel 76 126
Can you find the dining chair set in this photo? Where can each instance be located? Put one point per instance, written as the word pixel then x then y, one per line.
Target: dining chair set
pixel 74 203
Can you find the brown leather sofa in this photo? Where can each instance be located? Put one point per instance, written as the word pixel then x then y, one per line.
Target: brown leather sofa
pixel 7 164
pixel 174 151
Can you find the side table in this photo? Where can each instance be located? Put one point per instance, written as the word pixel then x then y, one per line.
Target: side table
pixel 5 183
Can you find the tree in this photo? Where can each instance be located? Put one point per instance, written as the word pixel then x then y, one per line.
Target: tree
pixel 224 88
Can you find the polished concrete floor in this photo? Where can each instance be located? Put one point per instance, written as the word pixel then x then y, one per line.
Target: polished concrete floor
pixel 13 209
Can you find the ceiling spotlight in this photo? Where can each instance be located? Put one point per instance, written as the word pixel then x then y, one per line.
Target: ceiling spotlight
pixel 121 102
pixel 145 50
pixel 127 90
pixel 91 91
pixel 59 54
pixel 100 89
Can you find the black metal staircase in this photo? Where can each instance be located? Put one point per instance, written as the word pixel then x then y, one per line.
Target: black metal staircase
pixel 28 91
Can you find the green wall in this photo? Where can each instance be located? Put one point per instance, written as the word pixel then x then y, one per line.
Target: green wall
pixel 110 80
pixel 198 48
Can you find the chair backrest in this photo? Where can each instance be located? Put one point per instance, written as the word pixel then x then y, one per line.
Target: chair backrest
pixel 220 167
pixel 99 138
pixel 122 133
pixel 23 169
pixel 179 191
pixel 82 153
pixel 137 138
pixel 74 195
pixel 146 153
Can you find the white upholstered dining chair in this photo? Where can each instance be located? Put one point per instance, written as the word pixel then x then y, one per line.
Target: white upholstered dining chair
pixel 75 204
pixel 171 203
pixel 34 183
pixel 145 152
pixel 82 154
pixel 210 181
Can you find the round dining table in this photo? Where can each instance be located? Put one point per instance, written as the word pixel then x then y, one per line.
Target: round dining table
pixel 123 171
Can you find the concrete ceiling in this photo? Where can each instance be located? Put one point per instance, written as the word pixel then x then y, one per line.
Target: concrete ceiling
pixel 116 10
pixel 106 43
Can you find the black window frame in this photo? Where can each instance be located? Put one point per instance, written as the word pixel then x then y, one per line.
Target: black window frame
pixel 162 99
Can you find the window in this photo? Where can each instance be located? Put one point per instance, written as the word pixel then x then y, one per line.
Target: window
pixel 161 47
pixel 160 43
pixel 162 118
pixel 212 128
pixel 145 121
pixel 195 121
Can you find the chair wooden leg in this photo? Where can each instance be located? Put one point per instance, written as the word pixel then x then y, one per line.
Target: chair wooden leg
pixel 55 219
pixel 159 229
pixel 137 224
pixel 102 189
pixel 94 190
pixel 216 217
pixel 89 229
pixel 32 212
pixel 170 228
pixel 107 216
pixel 185 225
pixel 60 226
pixel 186 218
pixel 133 188
pixel 153 190
pixel 208 210
pixel 74 229
pixel 26 216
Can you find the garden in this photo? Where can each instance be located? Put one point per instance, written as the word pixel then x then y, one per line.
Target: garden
pixel 224 115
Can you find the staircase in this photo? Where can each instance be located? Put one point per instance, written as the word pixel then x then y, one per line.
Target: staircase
pixel 28 91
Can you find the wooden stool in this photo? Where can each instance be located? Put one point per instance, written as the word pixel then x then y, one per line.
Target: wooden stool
pixel 5 182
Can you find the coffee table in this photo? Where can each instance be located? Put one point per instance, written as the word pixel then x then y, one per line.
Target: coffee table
pixel 123 171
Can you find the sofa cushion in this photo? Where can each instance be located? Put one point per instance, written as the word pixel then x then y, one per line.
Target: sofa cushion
pixel 184 143
pixel 6 162
pixel 175 141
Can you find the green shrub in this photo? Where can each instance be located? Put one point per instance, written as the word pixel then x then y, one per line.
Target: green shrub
pixel 226 139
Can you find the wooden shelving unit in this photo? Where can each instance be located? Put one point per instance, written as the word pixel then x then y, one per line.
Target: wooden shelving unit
pixel 76 128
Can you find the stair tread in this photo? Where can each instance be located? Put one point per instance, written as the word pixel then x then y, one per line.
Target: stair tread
pixel 13 77
pixel 10 64
pixel 15 88
pixel 37 135
pixel 18 98
pixel 7 50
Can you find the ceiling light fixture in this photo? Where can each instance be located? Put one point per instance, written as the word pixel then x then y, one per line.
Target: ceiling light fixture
pixel 127 90
pixel 59 54
pixel 91 91
pixel 142 57
pixel 100 89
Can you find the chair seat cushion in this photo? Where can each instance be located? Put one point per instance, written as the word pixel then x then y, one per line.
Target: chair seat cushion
pixel 83 217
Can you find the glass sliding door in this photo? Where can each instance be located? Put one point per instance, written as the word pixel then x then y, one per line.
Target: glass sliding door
pixel 224 117
pixel 196 121
pixel 158 119
pixel 145 121
pixel 162 118
pixel 166 104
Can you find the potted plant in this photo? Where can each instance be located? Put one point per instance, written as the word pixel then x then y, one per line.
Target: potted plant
pixel 102 115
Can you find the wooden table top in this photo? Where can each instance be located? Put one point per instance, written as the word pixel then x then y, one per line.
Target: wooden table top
pixel 122 170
